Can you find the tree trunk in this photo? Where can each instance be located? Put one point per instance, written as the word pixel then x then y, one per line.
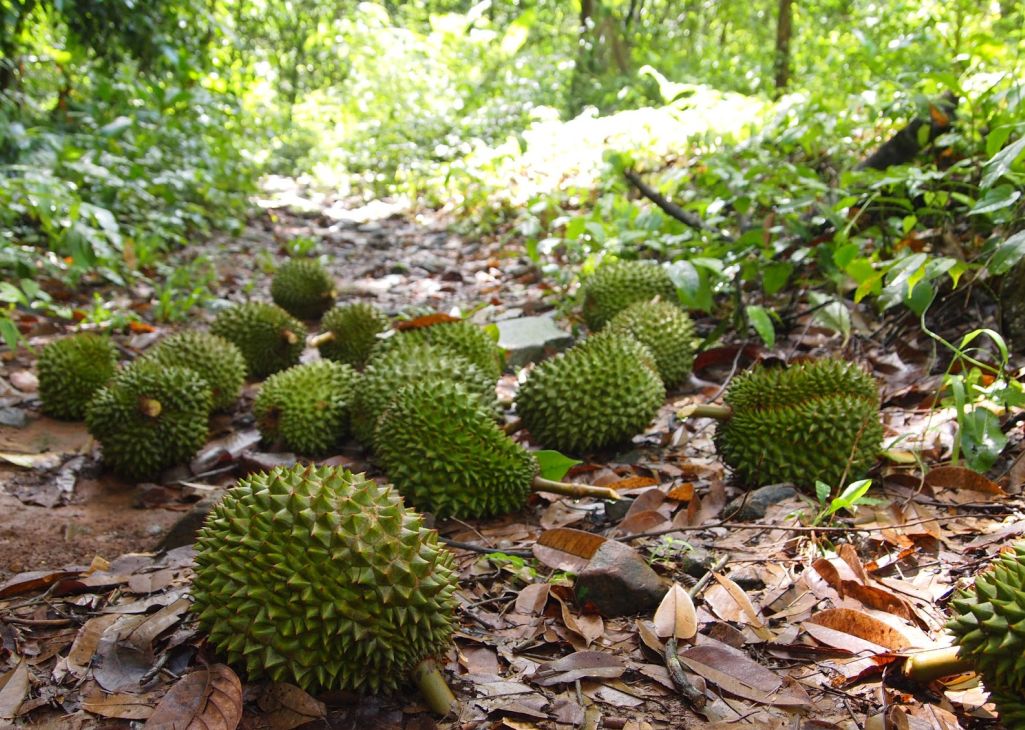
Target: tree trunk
pixel 784 31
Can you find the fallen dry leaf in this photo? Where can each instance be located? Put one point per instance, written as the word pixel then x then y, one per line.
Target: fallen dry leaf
pixel 121 706
pixel 286 706
pixel 14 686
pixel 579 665
pixel 566 549
pixel 205 699
pixel 676 615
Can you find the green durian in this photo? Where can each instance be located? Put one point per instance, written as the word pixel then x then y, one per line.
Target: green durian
pixel 666 330
pixel 149 417
pixel 615 286
pixel 459 337
pixel 599 393
pixel 70 372
pixel 320 578
pixel 303 288
pixel 815 421
pixel 269 338
pixel 307 406
pixel 354 329
pixel 218 362
pixel 445 454
pixel 385 375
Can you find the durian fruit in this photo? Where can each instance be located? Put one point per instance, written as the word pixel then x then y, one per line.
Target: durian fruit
pixel 815 421
pixel 218 362
pixel 666 330
pixel 596 394
pixel 149 417
pixel 615 286
pixel 385 375
pixel 458 337
pixel 303 288
pixel 444 452
pixel 307 406
pixel 350 332
pixel 71 370
pixel 269 338
pixel 318 577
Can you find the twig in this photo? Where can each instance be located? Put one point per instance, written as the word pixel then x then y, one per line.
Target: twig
pixel 485 550
pixel 672 209
pixel 704 580
pixel 766 526
pixel 689 692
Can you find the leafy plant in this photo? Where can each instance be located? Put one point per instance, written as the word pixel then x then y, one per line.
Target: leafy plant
pixel 854 495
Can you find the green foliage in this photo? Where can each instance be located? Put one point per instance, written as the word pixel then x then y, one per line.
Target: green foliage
pixel 852 497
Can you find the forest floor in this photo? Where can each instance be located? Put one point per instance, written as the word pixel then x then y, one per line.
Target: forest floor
pixel 800 627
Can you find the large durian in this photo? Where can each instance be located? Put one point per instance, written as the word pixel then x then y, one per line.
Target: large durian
pixel 149 417
pixel 318 577
pixel 70 372
pixel 350 332
pixel 215 359
pixel 307 406
pixel 458 337
pixel 385 375
pixel 302 288
pixel 269 338
pixel 596 394
pixel 666 331
pixel 815 421
pixel 444 452
pixel 615 286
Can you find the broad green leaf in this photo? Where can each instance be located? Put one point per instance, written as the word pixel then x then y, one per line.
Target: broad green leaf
pixel 831 313
pixel 762 323
pixel 982 439
pixel 553 464
pixel 1008 254
pixel 1000 164
pixel 998 198
pixel 776 275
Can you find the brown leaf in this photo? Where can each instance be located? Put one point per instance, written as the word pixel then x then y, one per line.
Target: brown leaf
pixel 634 482
pixel 121 706
pixel 142 636
pixel 646 630
pixel 733 671
pixel 34 581
pixel 740 597
pixel 676 615
pixel 205 699
pixel 639 522
pixel 842 640
pixel 286 706
pixel 428 320
pixel 682 493
pixel 959 477
pixel 863 625
pixel 13 689
pixel 88 638
pixel 879 599
pixel 532 599
pixel 566 549
pixel 579 665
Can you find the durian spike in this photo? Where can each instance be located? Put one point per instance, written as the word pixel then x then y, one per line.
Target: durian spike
pixel 541 484
pixel 705 410
pixel 925 666
pixel 322 339
pixel 434 689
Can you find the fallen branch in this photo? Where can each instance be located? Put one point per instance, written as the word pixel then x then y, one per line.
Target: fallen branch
pixel 905 144
pixel 672 209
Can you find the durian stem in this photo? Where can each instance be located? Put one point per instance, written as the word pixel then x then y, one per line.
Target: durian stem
pixel 573 490
pixel 705 410
pixel 440 698
pixel 150 407
pixel 290 337
pixel 513 426
pixel 322 339
pixel 925 666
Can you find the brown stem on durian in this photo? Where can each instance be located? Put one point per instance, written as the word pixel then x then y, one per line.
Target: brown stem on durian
pixel 705 410
pixel 289 336
pixel 322 339
pixel 434 689
pixel 541 484
pixel 925 666
pixel 149 407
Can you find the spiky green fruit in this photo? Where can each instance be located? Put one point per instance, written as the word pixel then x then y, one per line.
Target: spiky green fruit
pixel 354 329
pixel 815 421
pixel 303 288
pixel 599 393
pixel 444 452
pixel 318 577
pixel 459 337
pixel 215 359
pixel 307 406
pixel 1010 706
pixel 70 372
pixel 666 331
pixel 988 624
pixel 149 417
pixel 269 338
pixel 615 286
pixel 385 375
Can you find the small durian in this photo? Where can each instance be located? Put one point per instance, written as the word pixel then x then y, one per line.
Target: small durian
pixel 150 417
pixel 307 406
pixel 615 286
pixel 445 454
pixel 303 288
pixel 458 337
pixel 71 370
pixel 269 338
pixel 599 393
pixel 350 332
pixel 218 362
pixel 385 375
pixel 815 421
pixel 320 578
pixel 666 330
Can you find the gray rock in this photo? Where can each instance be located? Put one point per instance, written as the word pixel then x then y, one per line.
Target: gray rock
pixel 695 561
pixel 14 417
pixel 618 581
pixel 751 507
pixel 529 339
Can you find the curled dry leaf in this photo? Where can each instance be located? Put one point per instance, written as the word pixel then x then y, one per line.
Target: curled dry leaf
pixel 676 615
pixel 864 626
pixel 959 477
pixel 206 699
pixel 579 665
pixel 13 689
pixel 566 549
pixel 286 706
pixel 740 597
pixel 121 706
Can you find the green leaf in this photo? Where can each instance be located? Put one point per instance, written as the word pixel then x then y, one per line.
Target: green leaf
pixel 822 491
pixel 776 275
pixel 1008 254
pixel 921 297
pixel 1000 164
pixel 762 323
pixel 998 198
pixel 981 439
pixel 553 464
pixel 831 313
pixel 9 332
